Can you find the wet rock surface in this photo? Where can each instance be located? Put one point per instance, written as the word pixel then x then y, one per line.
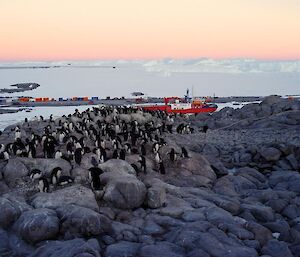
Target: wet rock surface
pixel 237 193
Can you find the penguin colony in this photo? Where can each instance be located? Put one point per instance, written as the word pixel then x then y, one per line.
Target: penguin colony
pixel 71 137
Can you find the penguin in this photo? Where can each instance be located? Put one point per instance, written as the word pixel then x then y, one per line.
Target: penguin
pixel 61 137
pixel 173 155
pixel 103 156
pixel 35 174
pixel 4 156
pixel 122 154
pixel 78 155
pixel 58 154
pixel 43 185
pixel 180 128
pixel 143 149
pixel 184 153
pixel 162 168
pixel 169 128
pixel 135 168
pixel 205 128
pixel 103 143
pixel 55 174
pixel 64 180
pixel 158 158
pixel 17 133
pixel 115 154
pixel 142 161
pixel 2 148
pixel 127 148
pixel 155 147
pixel 94 175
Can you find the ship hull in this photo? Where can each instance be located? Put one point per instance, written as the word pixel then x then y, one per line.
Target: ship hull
pixel 168 109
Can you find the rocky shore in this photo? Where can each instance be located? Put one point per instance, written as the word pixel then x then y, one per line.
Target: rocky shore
pixel 236 194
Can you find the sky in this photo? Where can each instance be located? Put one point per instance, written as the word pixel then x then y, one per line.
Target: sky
pixel 143 29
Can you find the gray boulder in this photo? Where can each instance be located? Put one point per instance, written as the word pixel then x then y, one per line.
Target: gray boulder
pixel 270 154
pixel 122 249
pixel 261 233
pixel 79 221
pixel 165 249
pixel 276 248
pixel 4 244
pixel 198 165
pixel 260 212
pixel 118 166
pixel 3 187
pixel 14 171
pixel 71 248
pixel 123 190
pixel 77 194
pixel 11 208
pixel 156 197
pixel 37 225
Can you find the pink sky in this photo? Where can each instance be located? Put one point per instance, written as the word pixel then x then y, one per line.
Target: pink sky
pixel 142 29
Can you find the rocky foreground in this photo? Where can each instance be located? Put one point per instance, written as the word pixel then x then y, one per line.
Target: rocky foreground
pixel 236 195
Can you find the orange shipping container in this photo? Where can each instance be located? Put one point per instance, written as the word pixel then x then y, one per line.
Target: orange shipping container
pixel 46 99
pixel 38 99
pixel 85 98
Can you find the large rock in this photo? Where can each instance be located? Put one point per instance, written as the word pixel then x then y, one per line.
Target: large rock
pixel 261 233
pixel 79 221
pixel 4 244
pixel 123 190
pixel 260 212
pixel 72 248
pixel 37 225
pixel 11 208
pixel 122 249
pixel 14 171
pixel 198 165
pixel 118 166
pixel 276 248
pixel 270 154
pixel 77 194
pixel 156 197
pixel 165 249
pixel 45 165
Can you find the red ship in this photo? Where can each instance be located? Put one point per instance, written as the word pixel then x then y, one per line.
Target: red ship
pixel 180 105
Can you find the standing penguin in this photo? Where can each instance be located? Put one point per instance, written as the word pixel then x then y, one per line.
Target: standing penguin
pixel 55 174
pixel 4 155
pixel 142 161
pixel 158 159
pixel 115 154
pixel 94 175
pixel 103 156
pixel 122 154
pixel 78 155
pixel 184 153
pixel 43 185
pixel 143 149
pixel 173 155
pixel 161 168
pixel 205 128
pixel 155 147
